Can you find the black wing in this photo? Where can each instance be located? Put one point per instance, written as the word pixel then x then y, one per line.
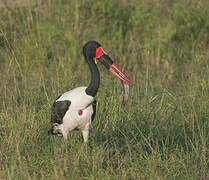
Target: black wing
pixel 59 109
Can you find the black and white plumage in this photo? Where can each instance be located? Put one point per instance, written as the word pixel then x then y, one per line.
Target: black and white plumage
pixel 76 109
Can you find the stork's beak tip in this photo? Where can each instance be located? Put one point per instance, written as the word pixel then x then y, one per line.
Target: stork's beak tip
pixel 120 74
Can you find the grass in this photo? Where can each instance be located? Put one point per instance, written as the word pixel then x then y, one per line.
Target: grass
pixel 162 133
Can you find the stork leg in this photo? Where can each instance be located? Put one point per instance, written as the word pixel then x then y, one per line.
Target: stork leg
pixel 85 133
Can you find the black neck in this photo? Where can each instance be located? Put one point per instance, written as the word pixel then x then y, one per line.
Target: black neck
pixel 95 78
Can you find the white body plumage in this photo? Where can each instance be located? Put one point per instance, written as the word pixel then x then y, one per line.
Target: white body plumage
pixel 79 113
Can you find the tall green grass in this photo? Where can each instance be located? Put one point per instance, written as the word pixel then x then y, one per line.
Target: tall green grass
pixel 163 131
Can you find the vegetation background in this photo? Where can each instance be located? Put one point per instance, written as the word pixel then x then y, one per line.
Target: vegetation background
pixel 162 45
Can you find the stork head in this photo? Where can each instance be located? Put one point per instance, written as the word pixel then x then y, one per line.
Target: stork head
pixel 93 50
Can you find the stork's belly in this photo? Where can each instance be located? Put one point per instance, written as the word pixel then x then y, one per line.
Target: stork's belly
pixel 74 120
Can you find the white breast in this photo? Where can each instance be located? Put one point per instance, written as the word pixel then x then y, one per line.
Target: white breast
pixel 79 101
pixel 78 97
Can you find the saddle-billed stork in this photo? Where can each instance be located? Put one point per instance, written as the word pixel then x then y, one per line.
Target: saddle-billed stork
pixel 76 109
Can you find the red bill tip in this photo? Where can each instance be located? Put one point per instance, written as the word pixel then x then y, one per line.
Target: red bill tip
pixel 119 73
